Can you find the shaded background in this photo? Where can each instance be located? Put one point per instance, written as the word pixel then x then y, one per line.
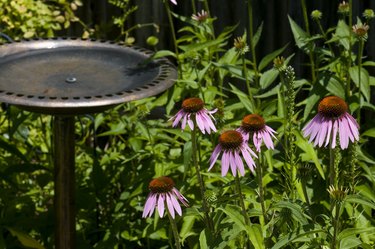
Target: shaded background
pixel 273 13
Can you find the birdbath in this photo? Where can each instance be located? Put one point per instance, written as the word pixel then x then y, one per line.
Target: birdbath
pixel 65 77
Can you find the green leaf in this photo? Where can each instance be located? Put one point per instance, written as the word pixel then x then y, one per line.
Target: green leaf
pixel 187 227
pixel 269 57
pixel 360 200
pixel 289 238
pixel 369 63
pixel 257 35
pixel 350 242
pixel 203 240
pixel 297 211
pixel 25 239
pixel 268 77
pixel 310 153
pixel 369 132
pixel 245 100
pixel 187 153
pixel 254 231
pixel 333 85
pixel 300 36
pixel 362 77
pixel 342 34
pixel 347 233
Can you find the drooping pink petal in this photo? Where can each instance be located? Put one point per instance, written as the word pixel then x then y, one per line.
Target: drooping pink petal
pixel 149 205
pixel 214 156
pixel 353 126
pixel 268 140
pixel 182 199
pixel 334 134
pixel 161 205
pixel 200 123
pixel 248 159
pixel 239 163
pixel 174 2
pixel 225 163
pixel 323 133
pixel 343 133
pixel 170 204
pixel 257 140
pixel 176 205
pixel 329 131
pixel 232 162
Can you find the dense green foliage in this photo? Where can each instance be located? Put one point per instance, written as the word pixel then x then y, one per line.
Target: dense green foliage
pixel 289 198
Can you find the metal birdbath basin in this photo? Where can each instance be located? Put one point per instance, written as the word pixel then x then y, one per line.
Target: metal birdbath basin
pixel 65 77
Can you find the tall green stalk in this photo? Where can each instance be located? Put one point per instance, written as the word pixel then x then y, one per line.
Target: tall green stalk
pixel 173 33
pixel 311 52
pixel 360 54
pixel 242 204
pixel 202 187
pixel 176 235
pixel 251 42
pixel 259 170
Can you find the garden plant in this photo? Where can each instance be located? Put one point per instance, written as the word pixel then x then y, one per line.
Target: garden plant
pixel 246 153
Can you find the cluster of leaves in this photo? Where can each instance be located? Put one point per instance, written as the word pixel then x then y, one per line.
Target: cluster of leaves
pixel 119 151
pixel 24 19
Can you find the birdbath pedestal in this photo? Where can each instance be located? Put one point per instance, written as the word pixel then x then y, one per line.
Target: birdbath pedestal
pixel 68 77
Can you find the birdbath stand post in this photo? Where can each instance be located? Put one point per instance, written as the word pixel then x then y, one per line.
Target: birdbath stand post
pixel 64 177
pixel 65 77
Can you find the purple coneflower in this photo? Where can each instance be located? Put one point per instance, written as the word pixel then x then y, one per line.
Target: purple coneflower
pixel 200 16
pixel 163 192
pixel 254 124
pixel 332 118
pixel 231 143
pixel 194 107
pixel 174 2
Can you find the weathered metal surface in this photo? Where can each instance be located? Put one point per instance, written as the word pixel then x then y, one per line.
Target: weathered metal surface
pixel 74 76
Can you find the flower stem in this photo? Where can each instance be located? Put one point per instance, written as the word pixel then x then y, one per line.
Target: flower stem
pixel 175 231
pixel 242 204
pixel 170 20
pixel 251 39
pixel 360 53
pixel 261 189
pixel 311 52
pixel 193 6
pixel 244 70
pixel 335 224
pixel 208 219
pixel 332 170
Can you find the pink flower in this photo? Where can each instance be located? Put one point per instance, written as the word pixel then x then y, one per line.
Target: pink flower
pixel 194 108
pixel 332 118
pixel 174 2
pixel 231 143
pixel 200 16
pixel 254 124
pixel 163 193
